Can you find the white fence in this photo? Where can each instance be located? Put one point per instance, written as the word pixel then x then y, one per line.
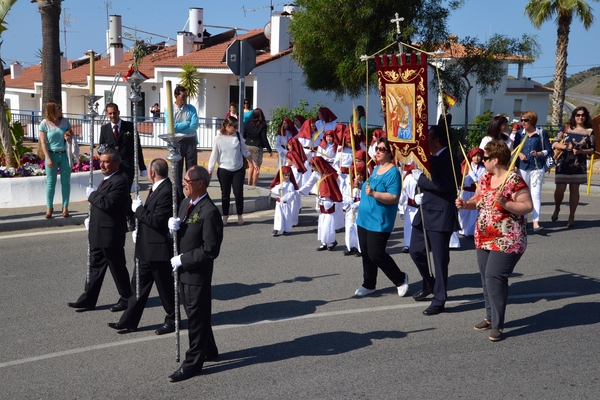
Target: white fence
pixel 148 129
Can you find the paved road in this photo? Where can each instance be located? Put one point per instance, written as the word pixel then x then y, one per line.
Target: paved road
pixel 287 324
pixel 595 100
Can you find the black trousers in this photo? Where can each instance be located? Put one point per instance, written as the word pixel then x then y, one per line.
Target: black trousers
pixel 151 272
pixel 373 249
pixel 101 258
pixel 197 305
pixel 189 154
pixel 228 180
pixel 439 244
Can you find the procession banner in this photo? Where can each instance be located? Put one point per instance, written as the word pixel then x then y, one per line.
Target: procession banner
pixel 403 90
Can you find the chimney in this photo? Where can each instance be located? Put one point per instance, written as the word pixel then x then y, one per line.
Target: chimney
pixel 64 65
pixel 280 37
pixel 16 70
pixel 197 24
pixel 115 40
pixel 185 41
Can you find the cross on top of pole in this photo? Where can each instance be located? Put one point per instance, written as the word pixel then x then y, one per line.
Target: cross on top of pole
pixel 397 20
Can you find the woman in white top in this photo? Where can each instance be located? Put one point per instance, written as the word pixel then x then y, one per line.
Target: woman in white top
pixel 497 131
pixel 229 152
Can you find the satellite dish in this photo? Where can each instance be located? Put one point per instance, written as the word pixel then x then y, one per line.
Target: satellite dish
pixel 267 30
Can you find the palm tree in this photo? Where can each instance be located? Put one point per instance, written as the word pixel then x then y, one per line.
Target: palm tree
pixel 540 11
pixel 5 135
pixel 51 78
pixel 190 79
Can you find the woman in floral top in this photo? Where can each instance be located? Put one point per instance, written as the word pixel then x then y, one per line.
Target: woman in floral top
pixel 502 199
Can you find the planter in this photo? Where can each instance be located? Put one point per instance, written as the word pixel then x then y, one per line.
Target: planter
pixel 31 191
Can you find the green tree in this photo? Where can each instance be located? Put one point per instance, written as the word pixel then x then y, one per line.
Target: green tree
pixel 191 79
pixel 279 113
pixel 51 79
pixel 5 133
pixel 540 11
pixel 482 65
pixel 329 36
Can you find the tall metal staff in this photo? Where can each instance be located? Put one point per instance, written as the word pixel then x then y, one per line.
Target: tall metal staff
pixel 136 79
pixel 92 114
pixel 174 157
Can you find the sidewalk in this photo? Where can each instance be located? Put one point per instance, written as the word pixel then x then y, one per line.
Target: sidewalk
pixel 12 219
pixel 255 198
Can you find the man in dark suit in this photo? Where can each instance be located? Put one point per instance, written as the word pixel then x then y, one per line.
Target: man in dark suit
pixel 107 227
pixel 439 216
pixel 153 249
pixel 118 135
pixel 200 233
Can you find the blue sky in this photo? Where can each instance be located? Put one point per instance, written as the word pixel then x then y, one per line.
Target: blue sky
pixel 88 23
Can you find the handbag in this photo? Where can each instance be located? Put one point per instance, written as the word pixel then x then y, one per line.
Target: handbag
pixel 246 164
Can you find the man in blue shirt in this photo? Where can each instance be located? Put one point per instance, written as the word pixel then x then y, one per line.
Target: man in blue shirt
pixel 186 122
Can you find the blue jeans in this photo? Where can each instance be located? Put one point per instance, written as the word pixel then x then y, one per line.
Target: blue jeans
pixel 60 160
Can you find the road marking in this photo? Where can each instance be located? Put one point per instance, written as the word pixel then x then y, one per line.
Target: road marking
pixel 45 232
pixel 268 321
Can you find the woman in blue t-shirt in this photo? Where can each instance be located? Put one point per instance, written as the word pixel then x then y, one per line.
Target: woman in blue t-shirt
pixel 376 220
pixel 55 132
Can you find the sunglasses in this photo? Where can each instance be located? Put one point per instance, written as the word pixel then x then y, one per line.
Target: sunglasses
pixel 381 149
pixel 579 115
pixel 188 181
pixel 235 126
pixel 524 120
pixel 486 158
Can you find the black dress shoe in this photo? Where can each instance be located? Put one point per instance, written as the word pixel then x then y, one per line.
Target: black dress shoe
pixel 75 305
pixel 322 247
pixel 433 310
pixel 405 249
pixel 181 375
pixel 118 326
pixel 118 307
pixel 421 295
pixel 166 328
pixel 349 252
pixel 330 248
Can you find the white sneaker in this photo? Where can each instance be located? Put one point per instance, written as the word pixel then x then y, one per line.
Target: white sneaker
pixel 402 289
pixel 362 291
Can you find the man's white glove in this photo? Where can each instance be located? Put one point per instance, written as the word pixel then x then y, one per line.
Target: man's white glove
pixel 176 262
pixel 416 173
pixel 89 190
pixel 419 199
pixel 86 222
pixel 136 203
pixel 134 235
pixel 144 173
pixel 174 223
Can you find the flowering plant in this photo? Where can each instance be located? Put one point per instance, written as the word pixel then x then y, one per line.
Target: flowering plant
pixel 32 165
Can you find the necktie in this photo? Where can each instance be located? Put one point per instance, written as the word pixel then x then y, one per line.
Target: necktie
pixel 116 132
pixel 187 211
pixel 101 183
pixel 150 191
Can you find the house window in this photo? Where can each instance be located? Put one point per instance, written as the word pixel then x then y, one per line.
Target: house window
pixel 108 96
pixel 487 104
pixel 517 110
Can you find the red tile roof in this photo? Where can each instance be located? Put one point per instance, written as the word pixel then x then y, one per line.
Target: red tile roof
pixel 209 55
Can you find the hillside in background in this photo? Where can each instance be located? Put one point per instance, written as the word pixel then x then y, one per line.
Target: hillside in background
pixel 584 82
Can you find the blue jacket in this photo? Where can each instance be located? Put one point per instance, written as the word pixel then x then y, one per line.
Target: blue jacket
pixel 538 142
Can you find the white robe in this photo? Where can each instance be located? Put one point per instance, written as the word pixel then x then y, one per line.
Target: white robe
pixel 351 233
pixel 468 218
pixel 409 188
pixel 326 227
pixel 280 146
pixel 283 208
